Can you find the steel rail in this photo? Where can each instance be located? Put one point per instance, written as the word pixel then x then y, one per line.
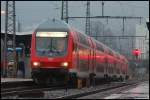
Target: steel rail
pixel 29 90
pixel 78 95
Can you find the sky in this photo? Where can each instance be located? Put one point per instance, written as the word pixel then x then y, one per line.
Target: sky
pixel 31 13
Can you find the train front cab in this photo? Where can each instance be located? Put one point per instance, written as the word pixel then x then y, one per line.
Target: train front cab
pixel 47 61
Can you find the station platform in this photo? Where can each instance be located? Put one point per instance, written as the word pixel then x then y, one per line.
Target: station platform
pixel 3 80
pixel 139 92
pixel 15 82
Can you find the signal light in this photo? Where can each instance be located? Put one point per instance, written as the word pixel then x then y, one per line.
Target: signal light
pixel 136 52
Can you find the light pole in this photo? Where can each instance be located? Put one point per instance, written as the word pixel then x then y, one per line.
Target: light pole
pixel 10 27
pixel 2 12
pixel 3 52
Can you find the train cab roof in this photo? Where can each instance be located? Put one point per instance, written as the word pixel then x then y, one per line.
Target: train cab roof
pixel 123 58
pixel 53 24
pixel 118 55
pixel 110 51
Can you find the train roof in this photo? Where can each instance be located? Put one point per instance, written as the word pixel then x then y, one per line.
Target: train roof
pixel 105 46
pixel 53 24
pixel 59 25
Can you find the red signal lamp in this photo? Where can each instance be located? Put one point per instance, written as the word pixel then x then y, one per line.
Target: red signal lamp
pixel 136 52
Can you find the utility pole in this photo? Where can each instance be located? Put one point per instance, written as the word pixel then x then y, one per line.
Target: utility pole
pixel 64 12
pixel 132 46
pixel 123 27
pixel 103 15
pixel 10 28
pixel 102 8
pixel 5 43
pixel 87 26
pixel 88 17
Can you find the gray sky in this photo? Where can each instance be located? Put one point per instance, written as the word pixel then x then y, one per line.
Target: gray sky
pixel 31 13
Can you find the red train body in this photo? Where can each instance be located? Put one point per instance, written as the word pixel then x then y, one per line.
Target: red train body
pixel 58 50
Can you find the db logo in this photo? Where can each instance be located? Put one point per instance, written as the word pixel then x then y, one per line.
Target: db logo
pixel 50 59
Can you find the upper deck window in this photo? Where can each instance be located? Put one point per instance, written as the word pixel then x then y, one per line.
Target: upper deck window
pixel 99 47
pixel 83 39
pixel 110 52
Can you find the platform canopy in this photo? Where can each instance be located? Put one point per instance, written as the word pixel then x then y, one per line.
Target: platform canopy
pixel 20 33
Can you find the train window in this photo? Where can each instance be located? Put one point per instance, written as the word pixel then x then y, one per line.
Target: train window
pixel 82 39
pixel 117 56
pixel 74 46
pixel 110 52
pixel 99 47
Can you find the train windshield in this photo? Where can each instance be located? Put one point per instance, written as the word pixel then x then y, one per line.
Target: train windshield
pixel 51 43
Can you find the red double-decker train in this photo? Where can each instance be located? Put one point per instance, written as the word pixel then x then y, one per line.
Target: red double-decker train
pixel 59 51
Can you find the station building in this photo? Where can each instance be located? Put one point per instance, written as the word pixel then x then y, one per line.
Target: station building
pixel 21 38
pixel 142 43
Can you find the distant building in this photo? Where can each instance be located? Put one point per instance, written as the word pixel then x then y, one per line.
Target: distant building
pixel 24 38
pixel 142 43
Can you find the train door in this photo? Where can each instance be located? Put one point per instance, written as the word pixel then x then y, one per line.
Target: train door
pixel 92 56
pixel 106 63
pixel 115 72
pixel 75 55
pixel 90 60
pixel 83 54
pixel 75 50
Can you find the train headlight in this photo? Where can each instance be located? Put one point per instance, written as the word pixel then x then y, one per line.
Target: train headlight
pixel 64 64
pixel 36 64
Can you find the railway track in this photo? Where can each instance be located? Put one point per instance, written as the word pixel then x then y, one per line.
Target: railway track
pixel 28 90
pixel 60 91
pixel 7 85
pixel 104 88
